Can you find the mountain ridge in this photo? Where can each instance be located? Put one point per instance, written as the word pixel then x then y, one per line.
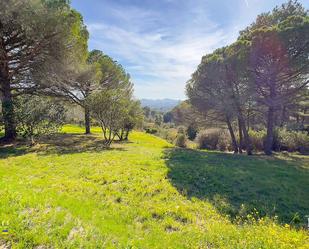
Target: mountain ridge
pixel 165 104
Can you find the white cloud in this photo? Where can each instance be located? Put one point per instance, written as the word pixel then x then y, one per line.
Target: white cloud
pixel 159 58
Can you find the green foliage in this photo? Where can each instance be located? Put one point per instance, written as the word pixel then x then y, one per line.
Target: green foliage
pixel 181 130
pixel 158 119
pixel 166 131
pixel 41 41
pixel 170 134
pixel 265 71
pixel 168 117
pixel 110 109
pixel 112 74
pixel 184 113
pixel 224 141
pixel 147 111
pixel 192 131
pixel 214 139
pixel 257 139
pixel 285 140
pixel 134 116
pixel 38 116
pixel 293 141
pixel 181 140
pixel 146 194
pixel 290 10
pixel 151 130
pixel 206 140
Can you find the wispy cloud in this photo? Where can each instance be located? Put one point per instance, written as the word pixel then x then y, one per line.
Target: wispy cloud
pixel 160 43
pixel 160 58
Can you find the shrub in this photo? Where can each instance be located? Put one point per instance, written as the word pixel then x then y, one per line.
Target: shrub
pixel 257 139
pixel 208 139
pixel 151 130
pixel 284 140
pixel 171 135
pixel 224 141
pixel 168 134
pixel 38 116
pixel 181 140
pixel 293 141
pixel 303 143
pixel 167 117
pixel 191 131
pixel 181 129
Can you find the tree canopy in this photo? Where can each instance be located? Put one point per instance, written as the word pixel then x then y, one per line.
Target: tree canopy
pixel 264 70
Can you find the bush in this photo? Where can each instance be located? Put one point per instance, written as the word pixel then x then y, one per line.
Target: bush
pixel 171 135
pixel 214 139
pixel 284 140
pixel 191 131
pixel 168 134
pixel 293 141
pixel 224 141
pixel 257 139
pixel 181 129
pixel 38 116
pixel 181 140
pixel 151 130
pixel 205 140
pixel 303 143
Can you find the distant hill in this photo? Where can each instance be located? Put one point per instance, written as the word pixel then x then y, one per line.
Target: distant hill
pixel 163 105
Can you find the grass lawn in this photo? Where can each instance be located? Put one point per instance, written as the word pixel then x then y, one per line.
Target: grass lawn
pixel 70 192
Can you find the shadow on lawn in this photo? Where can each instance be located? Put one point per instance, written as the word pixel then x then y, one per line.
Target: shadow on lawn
pixel 11 150
pixel 60 144
pixel 237 185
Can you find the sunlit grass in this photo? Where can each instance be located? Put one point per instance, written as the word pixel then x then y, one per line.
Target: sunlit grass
pixel 74 129
pixel 68 192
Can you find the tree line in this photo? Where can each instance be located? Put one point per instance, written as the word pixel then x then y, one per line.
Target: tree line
pixel 261 76
pixel 44 57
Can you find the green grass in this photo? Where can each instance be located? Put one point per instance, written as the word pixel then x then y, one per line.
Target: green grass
pixel 70 192
pixel 240 185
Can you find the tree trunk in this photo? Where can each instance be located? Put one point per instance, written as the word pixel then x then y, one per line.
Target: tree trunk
pixel 234 142
pixel 248 116
pixel 304 116
pixel 8 118
pixel 240 131
pixel 270 131
pixel 126 137
pixel 236 102
pixel 6 96
pixel 247 139
pixel 120 135
pixel 7 102
pixel 32 141
pixel 87 120
pixel 282 120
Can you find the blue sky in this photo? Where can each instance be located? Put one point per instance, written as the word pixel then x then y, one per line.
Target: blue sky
pixel 161 42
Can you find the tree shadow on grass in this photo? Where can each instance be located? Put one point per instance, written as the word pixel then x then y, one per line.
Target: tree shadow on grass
pixel 12 151
pixel 238 185
pixel 60 144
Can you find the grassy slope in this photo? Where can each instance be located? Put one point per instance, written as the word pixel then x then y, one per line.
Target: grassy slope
pixel 69 193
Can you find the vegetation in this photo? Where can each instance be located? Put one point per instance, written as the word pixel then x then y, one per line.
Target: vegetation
pixel 147 194
pixel 116 113
pixel 35 37
pixel 37 116
pixel 264 72
pixel 122 188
